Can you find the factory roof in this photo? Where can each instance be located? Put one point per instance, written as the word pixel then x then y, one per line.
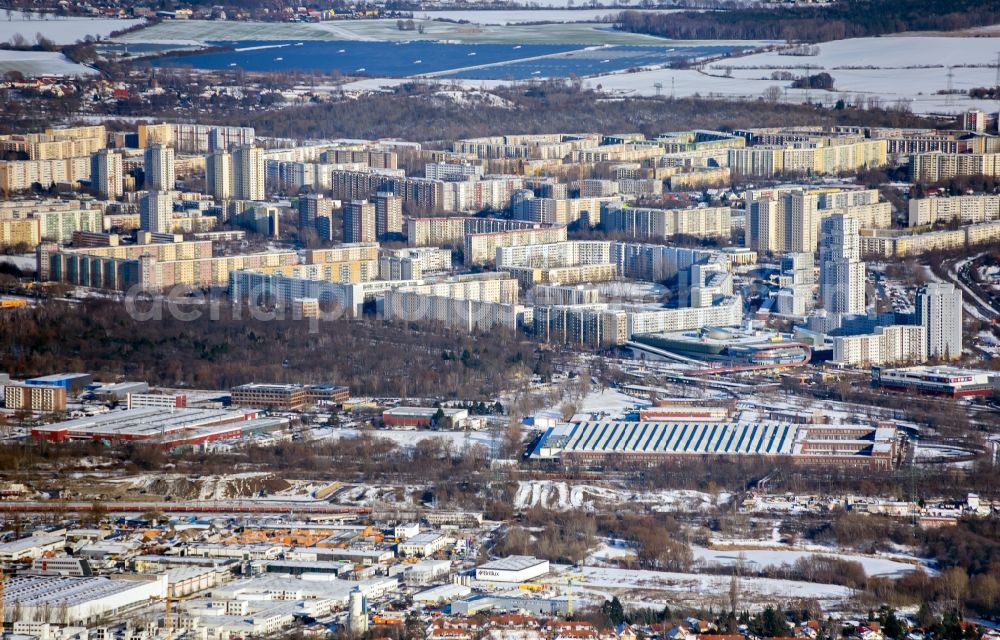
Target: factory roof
pixel 512 563
pixel 754 438
pixel 30 542
pixel 33 591
pixel 144 422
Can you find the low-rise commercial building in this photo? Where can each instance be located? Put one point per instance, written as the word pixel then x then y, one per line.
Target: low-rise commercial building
pixel 512 569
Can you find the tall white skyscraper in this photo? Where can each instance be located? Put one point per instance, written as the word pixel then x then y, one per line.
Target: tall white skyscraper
pixel 107 176
pixel 219 175
pixel 156 211
pixel 939 311
pixel 841 272
pixel 248 173
pixel 159 168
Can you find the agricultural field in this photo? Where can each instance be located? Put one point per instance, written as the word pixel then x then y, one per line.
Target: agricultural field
pixel 387 30
pixel 41 63
pixel 60 30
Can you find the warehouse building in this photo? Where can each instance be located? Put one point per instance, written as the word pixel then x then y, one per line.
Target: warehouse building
pixel 287 397
pixel 417 417
pixel 65 600
pixel 953 382
pixel 30 548
pixel 73 383
pixel 512 569
pixel 839 445
pixel 422 545
pixel 153 424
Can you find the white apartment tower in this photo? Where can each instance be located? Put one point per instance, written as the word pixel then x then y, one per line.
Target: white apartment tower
pixel 939 311
pixel 219 175
pixel 107 175
pixel 158 166
pixel 841 272
pixel 248 173
pixel 156 211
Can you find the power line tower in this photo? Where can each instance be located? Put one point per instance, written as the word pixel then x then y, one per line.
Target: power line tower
pixel 949 98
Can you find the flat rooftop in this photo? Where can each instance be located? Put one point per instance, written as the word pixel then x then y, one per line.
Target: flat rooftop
pixel 512 563
pixel 145 422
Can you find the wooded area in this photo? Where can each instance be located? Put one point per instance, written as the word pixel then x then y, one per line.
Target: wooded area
pixel 416 112
pixel 371 357
pixel 848 19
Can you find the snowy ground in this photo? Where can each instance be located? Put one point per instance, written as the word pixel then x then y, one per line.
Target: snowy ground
pixel 892 69
pixel 25 262
pixel 925 452
pixel 517 16
pixel 601 581
pixel 609 402
pixel 550 494
pixel 458 439
pixel 57 29
pixel 41 63
pixel 763 558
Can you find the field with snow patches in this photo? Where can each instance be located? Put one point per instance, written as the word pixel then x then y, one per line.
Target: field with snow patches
pixel 610 402
pixel 684 587
pixel 910 69
pixel 58 29
pixel 764 558
pixel 457 439
pixel 561 496
pixel 518 16
pixel 186 31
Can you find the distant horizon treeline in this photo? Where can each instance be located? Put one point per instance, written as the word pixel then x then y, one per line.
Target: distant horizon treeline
pixel 847 19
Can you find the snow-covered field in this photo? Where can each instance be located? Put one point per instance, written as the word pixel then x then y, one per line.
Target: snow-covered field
pixel 763 558
pixel 601 580
pixel 550 494
pixel 609 401
pixel 57 29
pixel 458 439
pixel 518 16
pixel 25 261
pixel 892 69
pixel 41 63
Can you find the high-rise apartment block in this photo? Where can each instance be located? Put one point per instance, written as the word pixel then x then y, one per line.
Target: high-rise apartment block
pixel 107 175
pixel 939 311
pixel 219 175
pixel 156 211
pixel 248 173
pixel 312 208
pixel 388 214
pixel 159 168
pixel 783 222
pixel 359 221
pixel 841 272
